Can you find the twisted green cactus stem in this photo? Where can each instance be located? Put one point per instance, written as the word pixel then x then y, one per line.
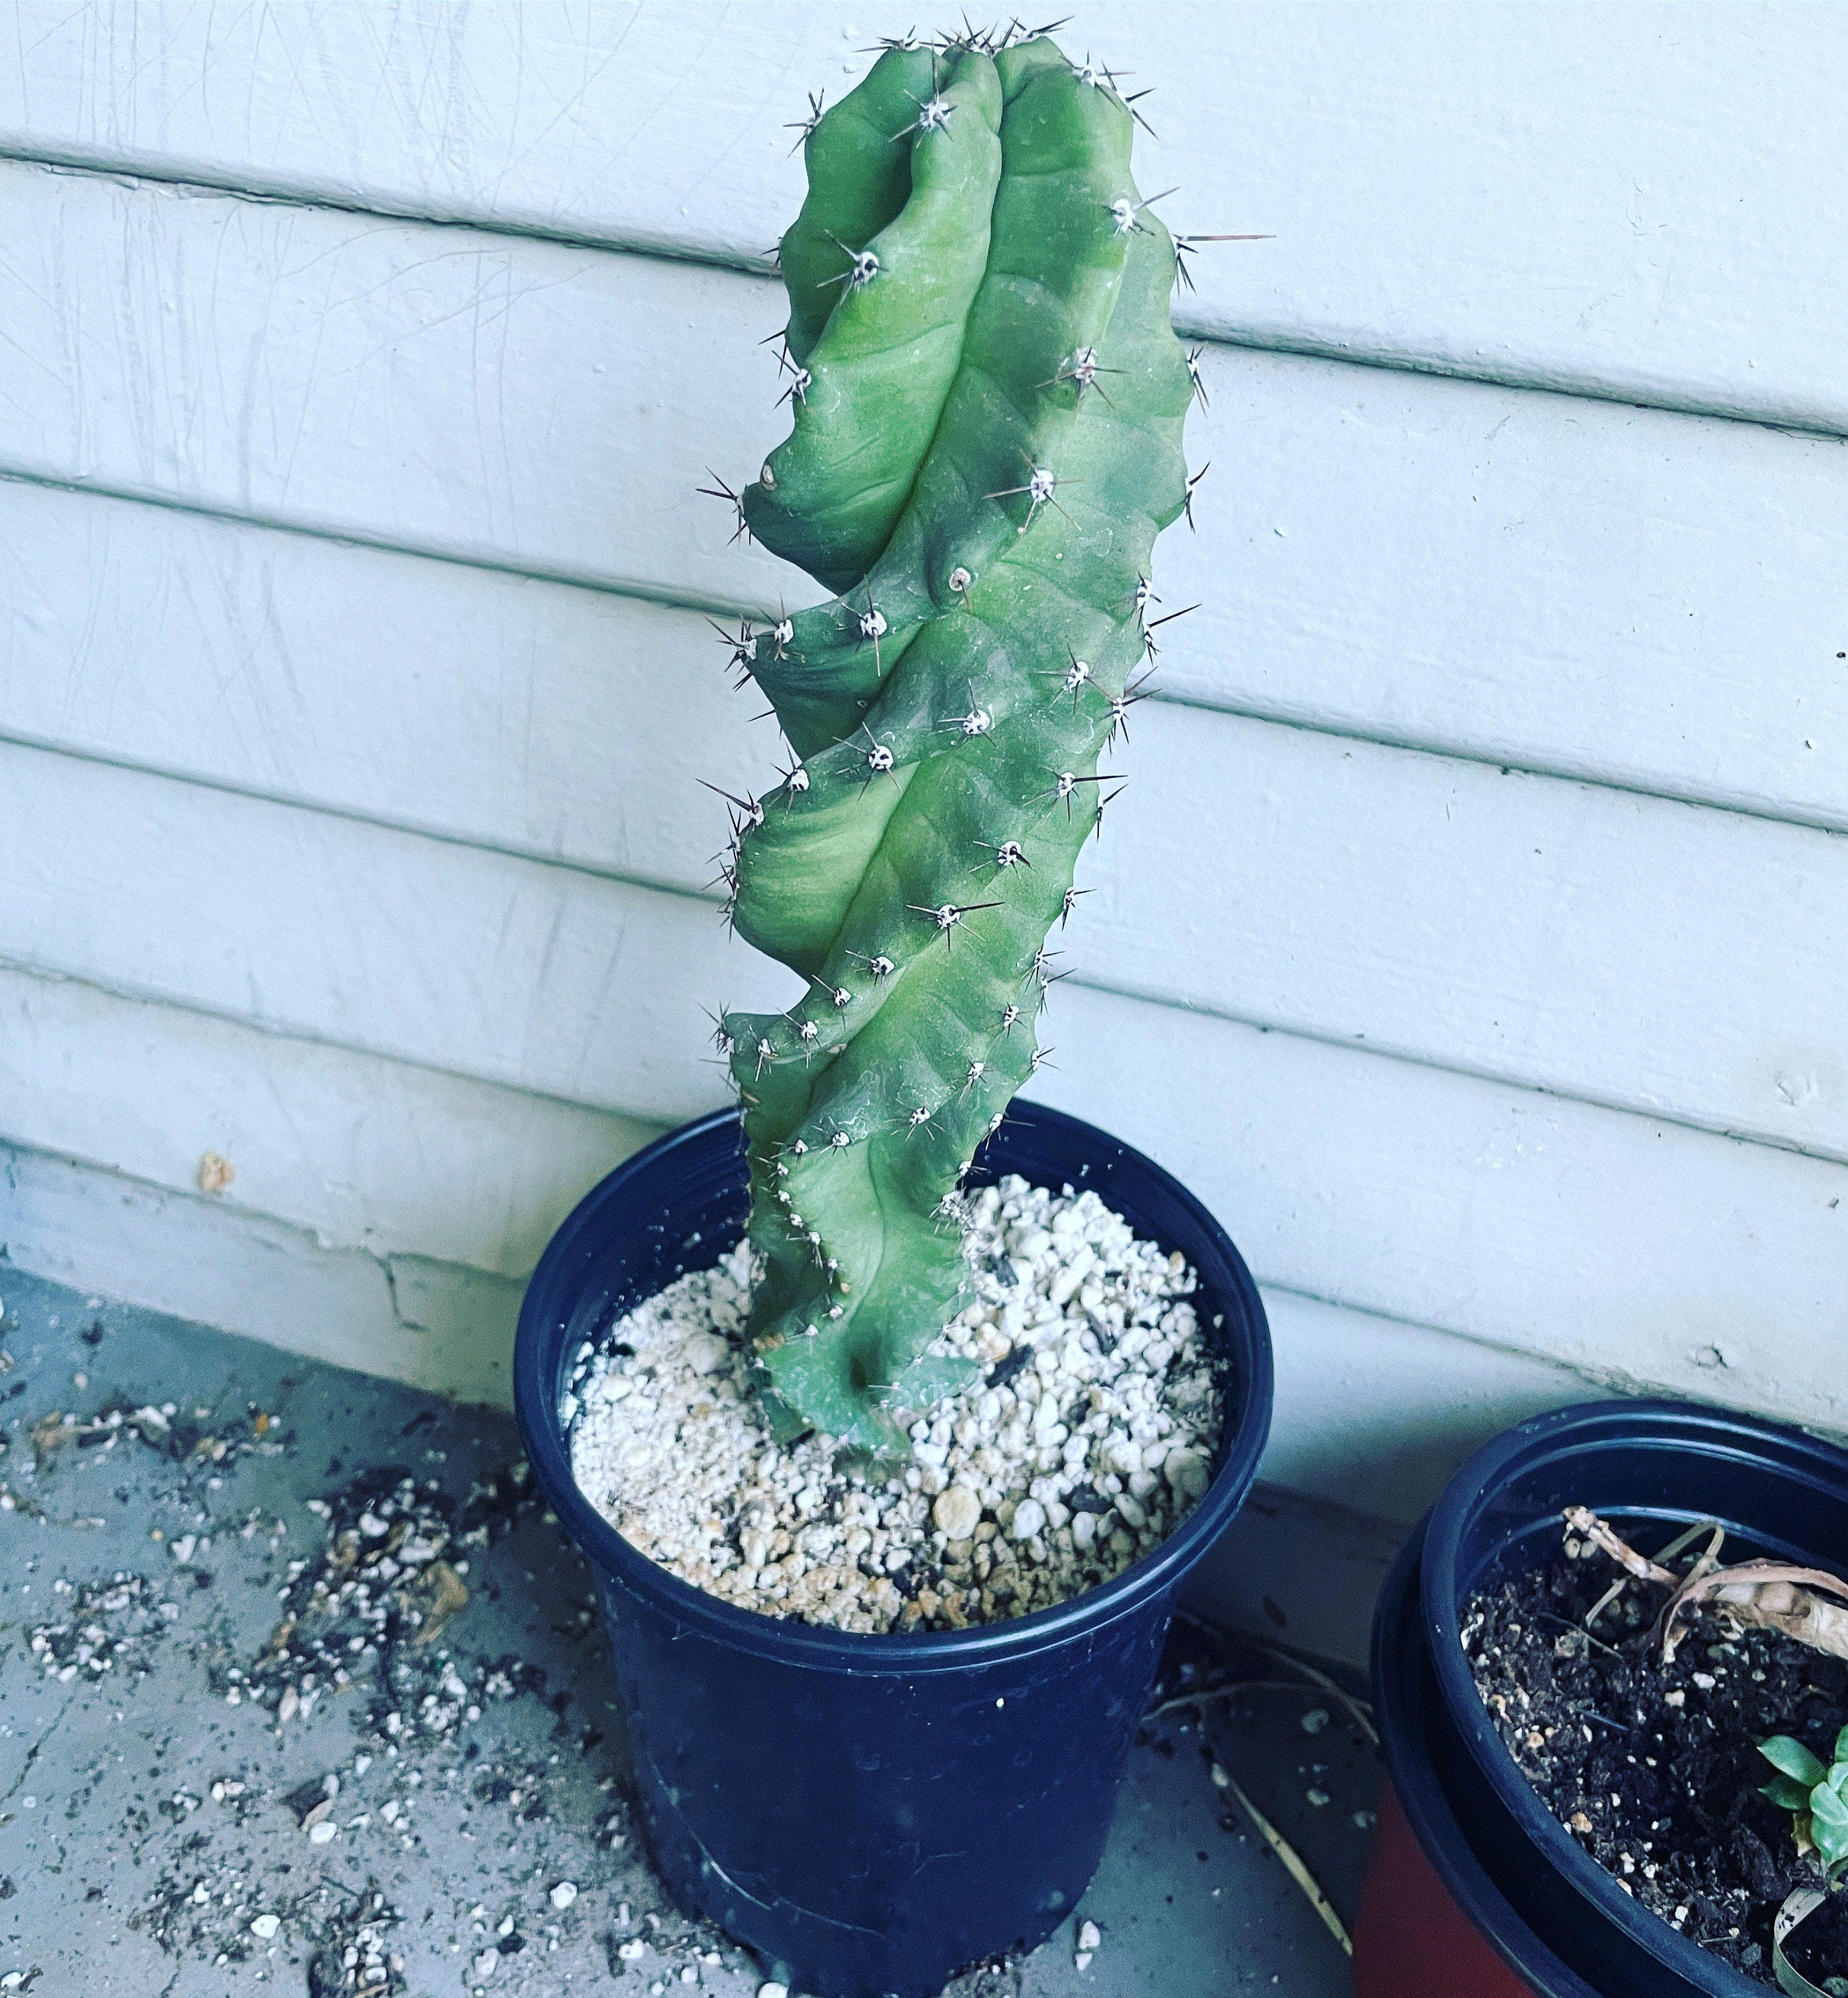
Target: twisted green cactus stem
pixel 988 399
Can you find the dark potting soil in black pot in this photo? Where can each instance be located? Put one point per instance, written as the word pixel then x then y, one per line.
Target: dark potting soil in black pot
pixel 1654 1766
pixel 1563 1924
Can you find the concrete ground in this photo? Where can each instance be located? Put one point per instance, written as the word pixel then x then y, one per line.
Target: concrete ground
pixel 168 1496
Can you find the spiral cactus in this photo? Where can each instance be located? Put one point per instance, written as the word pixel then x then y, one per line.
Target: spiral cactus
pixel 988 400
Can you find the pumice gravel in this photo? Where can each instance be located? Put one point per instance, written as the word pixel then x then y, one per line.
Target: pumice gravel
pixel 1087 1437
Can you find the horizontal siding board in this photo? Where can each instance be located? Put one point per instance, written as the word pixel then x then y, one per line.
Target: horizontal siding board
pixel 1624 949
pixel 1337 1435
pixel 1599 1240
pixel 1639 599
pixel 490 398
pixel 1503 924
pixel 502 969
pixel 367 1153
pixel 1582 198
pixel 1635 1250
pixel 438 1326
pixel 1375 1415
pixel 481 707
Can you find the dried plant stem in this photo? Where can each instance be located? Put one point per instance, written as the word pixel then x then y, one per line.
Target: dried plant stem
pixel 1293 1863
pixel 1675 1547
pixel 1809 1604
pixel 1803 1904
pixel 1360 1708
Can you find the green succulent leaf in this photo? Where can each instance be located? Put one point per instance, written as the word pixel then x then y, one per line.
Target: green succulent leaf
pixel 1816 1792
pixel 1829 1824
pixel 988 399
pixel 1793 1760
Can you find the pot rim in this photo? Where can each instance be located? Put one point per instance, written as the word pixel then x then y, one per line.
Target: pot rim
pixel 1660 1423
pixel 545 1315
pixel 1402 1673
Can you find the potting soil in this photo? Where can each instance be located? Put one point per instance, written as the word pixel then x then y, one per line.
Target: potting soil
pixel 1654 1768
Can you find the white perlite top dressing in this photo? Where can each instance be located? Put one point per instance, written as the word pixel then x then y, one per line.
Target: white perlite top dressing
pixel 1089 1438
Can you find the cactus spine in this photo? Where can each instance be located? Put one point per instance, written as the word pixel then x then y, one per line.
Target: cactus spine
pixel 988 399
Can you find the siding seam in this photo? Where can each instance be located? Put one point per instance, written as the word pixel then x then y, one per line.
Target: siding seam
pixel 1381 1050
pixel 131 994
pixel 1306 346
pixel 1613 1380
pixel 1510 763
pixel 312 1239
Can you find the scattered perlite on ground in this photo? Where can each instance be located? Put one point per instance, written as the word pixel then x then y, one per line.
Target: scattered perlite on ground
pixel 368 1612
pixel 1090 1435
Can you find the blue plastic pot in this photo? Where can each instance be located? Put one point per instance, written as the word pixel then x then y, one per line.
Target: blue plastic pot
pixel 874 1811
pixel 1549 1913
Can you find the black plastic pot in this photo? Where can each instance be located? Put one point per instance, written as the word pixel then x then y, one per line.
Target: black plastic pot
pixel 1519 1879
pixel 874 1811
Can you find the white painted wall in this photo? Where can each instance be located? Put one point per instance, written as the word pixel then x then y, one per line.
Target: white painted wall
pixel 1474 935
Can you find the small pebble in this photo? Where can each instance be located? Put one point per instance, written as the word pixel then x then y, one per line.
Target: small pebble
pixel 773 1991
pixel 565 1893
pixel 957 1512
pixel 1090 1935
pixel 265 1926
pixel 322 1833
pixel 705 1352
pixel 1316 1720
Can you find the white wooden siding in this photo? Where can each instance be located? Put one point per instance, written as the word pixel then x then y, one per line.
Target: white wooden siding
pixel 1613 199
pixel 1280 876
pixel 390 1157
pixel 1473 933
pixel 1619 1243
pixel 1557 583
